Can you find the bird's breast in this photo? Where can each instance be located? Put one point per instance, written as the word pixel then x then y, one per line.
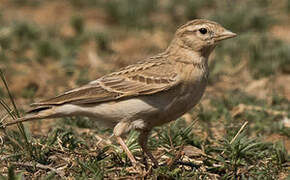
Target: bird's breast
pixel 184 97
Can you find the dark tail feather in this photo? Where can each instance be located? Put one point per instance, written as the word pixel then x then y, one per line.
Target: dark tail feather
pixel 38 109
pixel 39 113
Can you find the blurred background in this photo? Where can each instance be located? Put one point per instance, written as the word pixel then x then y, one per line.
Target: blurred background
pixel 48 47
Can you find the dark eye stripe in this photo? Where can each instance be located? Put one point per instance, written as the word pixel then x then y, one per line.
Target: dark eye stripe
pixel 189 31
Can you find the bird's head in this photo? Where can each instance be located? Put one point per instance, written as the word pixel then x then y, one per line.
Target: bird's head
pixel 201 35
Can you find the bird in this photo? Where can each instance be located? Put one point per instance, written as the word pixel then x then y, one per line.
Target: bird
pixel 149 93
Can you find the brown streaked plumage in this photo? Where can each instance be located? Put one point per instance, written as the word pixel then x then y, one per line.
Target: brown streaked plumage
pixel 143 78
pixel 146 94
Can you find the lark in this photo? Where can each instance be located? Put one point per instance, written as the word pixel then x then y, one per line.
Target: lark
pixel 149 93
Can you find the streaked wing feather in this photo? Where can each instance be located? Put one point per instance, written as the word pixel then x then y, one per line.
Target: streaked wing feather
pixel 127 83
pixel 94 92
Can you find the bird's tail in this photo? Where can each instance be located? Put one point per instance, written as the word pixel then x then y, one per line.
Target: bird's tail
pixel 41 113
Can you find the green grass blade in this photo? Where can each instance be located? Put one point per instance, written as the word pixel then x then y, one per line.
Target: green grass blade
pixel 20 125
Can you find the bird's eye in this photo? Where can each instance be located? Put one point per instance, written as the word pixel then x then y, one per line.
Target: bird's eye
pixel 202 30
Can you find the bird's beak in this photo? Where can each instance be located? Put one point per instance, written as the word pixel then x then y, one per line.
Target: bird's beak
pixel 226 34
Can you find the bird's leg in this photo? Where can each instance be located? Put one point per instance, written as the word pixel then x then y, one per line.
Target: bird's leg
pixel 128 152
pixel 143 138
pixel 121 128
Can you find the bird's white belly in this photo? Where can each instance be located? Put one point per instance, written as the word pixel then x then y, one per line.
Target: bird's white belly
pixel 110 113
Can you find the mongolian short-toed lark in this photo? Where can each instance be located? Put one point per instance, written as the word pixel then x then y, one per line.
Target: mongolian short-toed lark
pixel 141 96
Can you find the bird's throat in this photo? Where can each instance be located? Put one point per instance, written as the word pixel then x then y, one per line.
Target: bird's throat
pixel 189 56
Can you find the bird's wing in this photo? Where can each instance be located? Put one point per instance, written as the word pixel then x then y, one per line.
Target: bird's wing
pixel 140 79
